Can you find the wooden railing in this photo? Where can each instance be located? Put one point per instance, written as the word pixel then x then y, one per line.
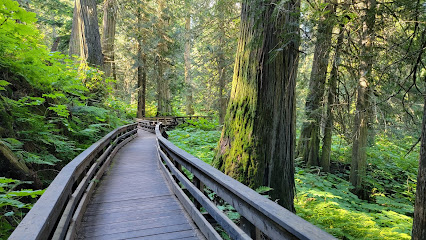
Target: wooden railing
pixel 260 216
pixel 57 214
pixel 172 121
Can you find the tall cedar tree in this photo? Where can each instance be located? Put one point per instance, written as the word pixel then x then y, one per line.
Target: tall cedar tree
pixel 164 106
pixel 332 95
pixel 141 62
pixel 419 221
pixel 308 145
pixel 108 37
pixel 187 58
pixel 221 61
pixel 359 154
pixel 258 138
pixel 85 38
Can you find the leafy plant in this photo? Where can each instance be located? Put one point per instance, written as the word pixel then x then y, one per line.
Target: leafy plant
pixel 14 204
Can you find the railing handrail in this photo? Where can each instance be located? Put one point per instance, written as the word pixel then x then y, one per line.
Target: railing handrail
pixel 269 217
pixel 43 219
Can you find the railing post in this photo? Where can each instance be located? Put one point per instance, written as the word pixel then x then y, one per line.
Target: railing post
pixel 200 185
pixel 250 229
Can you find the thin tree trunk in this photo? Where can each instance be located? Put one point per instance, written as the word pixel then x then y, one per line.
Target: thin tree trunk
pixel 359 155
pixel 55 44
pixel 308 146
pixel 108 37
pixel 419 221
pixel 257 142
pixel 332 94
pixel 141 70
pixel 187 57
pixel 221 65
pixel 85 38
pixel 163 88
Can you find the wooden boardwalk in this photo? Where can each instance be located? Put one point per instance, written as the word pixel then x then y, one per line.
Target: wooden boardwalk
pixel 133 200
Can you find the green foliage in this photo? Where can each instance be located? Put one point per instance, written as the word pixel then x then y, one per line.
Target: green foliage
pixel 14 203
pixel 198 138
pixel 326 200
pixel 3 83
pixel 59 108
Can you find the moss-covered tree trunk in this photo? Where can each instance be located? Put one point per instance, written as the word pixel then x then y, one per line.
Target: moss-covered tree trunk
pixel 419 221
pixel 359 154
pixel 108 37
pixel 257 142
pixel 332 94
pixel 308 145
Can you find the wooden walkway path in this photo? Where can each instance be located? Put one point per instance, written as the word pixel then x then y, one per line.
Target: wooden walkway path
pixel 133 200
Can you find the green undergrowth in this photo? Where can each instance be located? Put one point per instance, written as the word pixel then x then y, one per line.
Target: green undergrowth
pixel 198 138
pixel 51 108
pixel 13 203
pixel 326 200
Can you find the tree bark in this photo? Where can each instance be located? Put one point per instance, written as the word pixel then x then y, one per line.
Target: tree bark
pixel 108 37
pixel 85 38
pixel 332 94
pixel 359 155
pixel 187 57
pixel 221 66
pixel 163 89
pixel 55 44
pixel 419 221
pixel 76 32
pixel 141 71
pixel 308 146
pixel 257 142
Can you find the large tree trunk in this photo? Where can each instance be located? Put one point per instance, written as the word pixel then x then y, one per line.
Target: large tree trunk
pixel 141 70
pixel 332 93
pixel 108 37
pixel 76 41
pixel 85 38
pixel 187 57
pixel 359 155
pixel 257 142
pixel 308 146
pixel 419 221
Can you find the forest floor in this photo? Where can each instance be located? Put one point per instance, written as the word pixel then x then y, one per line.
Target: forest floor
pixel 325 199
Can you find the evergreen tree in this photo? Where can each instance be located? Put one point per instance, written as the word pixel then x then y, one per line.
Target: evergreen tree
pixel 257 142
pixel 85 37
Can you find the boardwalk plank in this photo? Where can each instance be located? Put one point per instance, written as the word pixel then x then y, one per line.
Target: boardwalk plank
pixel 133 200
pixel 168 236
pixel 145 232
pixel 100 230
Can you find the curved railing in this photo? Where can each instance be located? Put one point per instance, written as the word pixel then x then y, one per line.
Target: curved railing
pixel 260 216
pixel 57 214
